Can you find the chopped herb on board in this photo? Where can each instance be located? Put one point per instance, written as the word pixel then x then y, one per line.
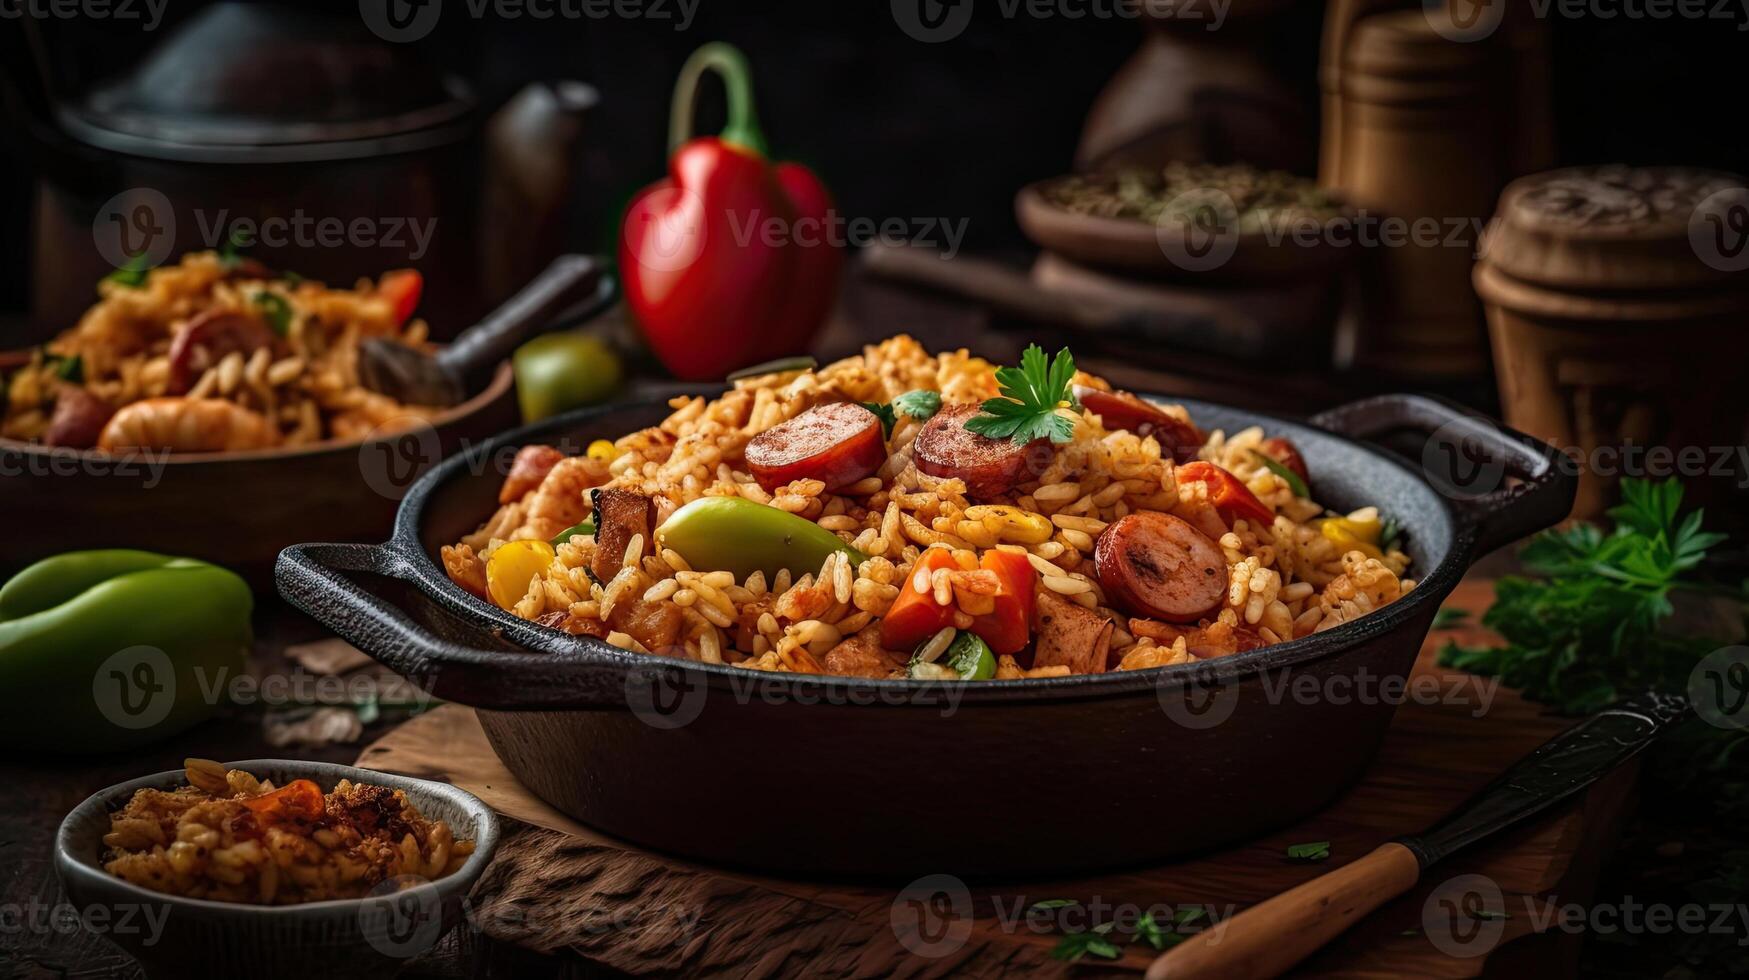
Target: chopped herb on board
pixel 1315 851
pixel 1093 942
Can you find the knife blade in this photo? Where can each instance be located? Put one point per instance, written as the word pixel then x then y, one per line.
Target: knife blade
pixel 1267 939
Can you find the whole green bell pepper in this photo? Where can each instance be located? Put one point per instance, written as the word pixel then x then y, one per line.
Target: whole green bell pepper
pixel 103 650
pixel 734 534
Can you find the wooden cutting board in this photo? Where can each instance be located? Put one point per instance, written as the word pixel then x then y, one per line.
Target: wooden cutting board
pixel 556 885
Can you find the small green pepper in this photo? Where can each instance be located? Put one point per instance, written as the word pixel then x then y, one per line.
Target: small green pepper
pixel 736 535
pixel 103 650
pixel 585 528
pixel 562 371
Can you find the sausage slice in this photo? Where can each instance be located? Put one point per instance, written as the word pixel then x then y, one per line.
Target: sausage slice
pixel 78 420
pixel 1122 410
pixel 1157 565
pixel 1076 638
pixel 990 467
pixel 619 514
pixel 837 444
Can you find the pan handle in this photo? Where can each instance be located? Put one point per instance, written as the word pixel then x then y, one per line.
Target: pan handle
pixel 565 675
pixel 1467 457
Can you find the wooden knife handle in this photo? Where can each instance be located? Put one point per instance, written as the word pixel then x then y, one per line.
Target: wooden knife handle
pixel 1267 939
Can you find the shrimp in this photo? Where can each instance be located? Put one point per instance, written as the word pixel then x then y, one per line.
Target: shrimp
pixel 561 499
pixel 187 425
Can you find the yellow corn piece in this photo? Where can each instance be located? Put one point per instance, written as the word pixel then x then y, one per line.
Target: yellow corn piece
pixel 603 450
pixel 1365 524
pixel 1345 535
pixel 512 567
pixel 1011 524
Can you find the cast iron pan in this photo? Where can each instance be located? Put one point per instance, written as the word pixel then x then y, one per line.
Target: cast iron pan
pixel 845 776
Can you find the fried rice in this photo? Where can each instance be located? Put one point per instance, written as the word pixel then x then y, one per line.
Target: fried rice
pixel 302 387
pixel 1285 579
pixel 229 837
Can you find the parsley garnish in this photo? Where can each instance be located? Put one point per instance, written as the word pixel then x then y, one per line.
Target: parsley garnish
pixel 68 368
pixel 1292 479
pixel 1150 932
pixel 884 412
pixel 277 311
pixel 919 404
pixel 1031 395
pixel 1390 533
pixel 1314 851
pixel 132 275
pixel 231 252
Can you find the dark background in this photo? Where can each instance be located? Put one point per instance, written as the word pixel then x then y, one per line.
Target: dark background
pixel 901 128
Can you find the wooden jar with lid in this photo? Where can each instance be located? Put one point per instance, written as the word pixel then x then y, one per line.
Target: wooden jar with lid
pixel 1618 305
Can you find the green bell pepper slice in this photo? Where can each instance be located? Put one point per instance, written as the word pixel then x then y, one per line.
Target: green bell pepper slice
pixel 970 657
pixel 736 535
pixel 104 650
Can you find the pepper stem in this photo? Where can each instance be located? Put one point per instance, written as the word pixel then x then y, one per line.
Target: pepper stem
pixel 727 61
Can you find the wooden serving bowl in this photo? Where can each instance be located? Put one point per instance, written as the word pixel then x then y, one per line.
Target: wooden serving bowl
pixel 234 509
pixel 1135 247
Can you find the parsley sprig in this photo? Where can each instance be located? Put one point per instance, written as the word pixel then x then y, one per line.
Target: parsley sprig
pixel 1583 630
pixel 1031 396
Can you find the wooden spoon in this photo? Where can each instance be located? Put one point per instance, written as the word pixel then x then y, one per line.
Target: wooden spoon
pixel 414 377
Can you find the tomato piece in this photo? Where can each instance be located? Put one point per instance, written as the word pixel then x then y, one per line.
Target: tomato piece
pixel 1231 497
pixel 915 616
pixel 1288 455
pixel 297 800
pixel 402 288
pixel 1122 410
pixel 1009 628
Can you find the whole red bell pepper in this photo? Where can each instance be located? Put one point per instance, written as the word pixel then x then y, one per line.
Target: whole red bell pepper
pixel 730 261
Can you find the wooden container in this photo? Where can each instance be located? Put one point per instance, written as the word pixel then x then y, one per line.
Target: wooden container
pixel 1422 153
pixel 1616 301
